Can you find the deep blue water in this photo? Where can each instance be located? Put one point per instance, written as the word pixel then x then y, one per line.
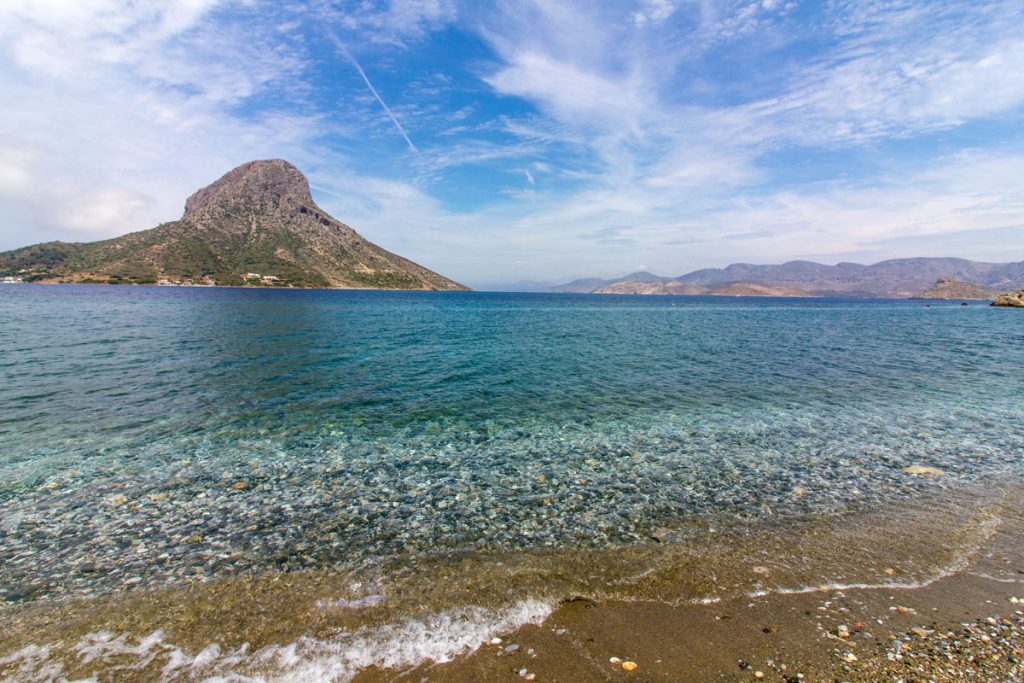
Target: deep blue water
pixel 308 428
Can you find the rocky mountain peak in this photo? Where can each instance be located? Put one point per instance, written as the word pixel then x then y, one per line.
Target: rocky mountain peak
pixel 257 226
pixel 270 183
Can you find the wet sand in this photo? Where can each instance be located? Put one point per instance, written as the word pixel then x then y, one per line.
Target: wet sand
pixel 963 624
pixel 941 631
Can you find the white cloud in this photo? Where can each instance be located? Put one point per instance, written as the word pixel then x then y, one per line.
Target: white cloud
pixel 574 93
pixel 672 173
pixel 902 216
pixel 123 109
pixel 633 149
pixel 654 11
pixel 882 94
pixel 391 21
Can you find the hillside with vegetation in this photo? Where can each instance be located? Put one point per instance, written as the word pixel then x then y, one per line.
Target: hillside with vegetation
pixel 256 226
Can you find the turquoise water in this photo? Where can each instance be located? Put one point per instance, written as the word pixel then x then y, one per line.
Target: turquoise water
pixel 308 429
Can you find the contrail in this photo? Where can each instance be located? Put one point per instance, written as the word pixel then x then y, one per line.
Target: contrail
pixel 348 55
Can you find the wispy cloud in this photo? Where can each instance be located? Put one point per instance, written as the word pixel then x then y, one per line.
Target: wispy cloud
pixel 675 161
pixel 395 22
pixel 348 55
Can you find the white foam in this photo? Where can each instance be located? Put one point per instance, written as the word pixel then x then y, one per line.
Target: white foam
pixel 997 579
pixel 437 638
pixel 959 564
pixel 358 603
pixel 32 663
pixel 103 645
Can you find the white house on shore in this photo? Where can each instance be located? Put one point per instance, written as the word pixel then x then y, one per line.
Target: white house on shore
pixel 262 278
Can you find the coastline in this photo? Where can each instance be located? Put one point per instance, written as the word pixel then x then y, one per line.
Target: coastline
pixel 833 296
pixel 243 287
pixel 688 609
pixel 962 627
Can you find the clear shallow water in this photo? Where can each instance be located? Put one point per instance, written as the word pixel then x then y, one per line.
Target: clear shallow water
pixel 153 434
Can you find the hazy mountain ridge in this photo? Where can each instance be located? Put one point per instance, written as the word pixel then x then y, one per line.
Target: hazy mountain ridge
pixel 679 288
pixel 258 218
pixel 658 287
pixel 894 278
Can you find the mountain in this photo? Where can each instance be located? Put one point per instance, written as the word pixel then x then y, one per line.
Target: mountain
pixel 585 285
pixel 1006 276
pixel 949 288
pixel 755 289
pixel 658 287
pixel 259 219
pixel 896 278
pixel 591 285
pixel 667 286
pixel 645 276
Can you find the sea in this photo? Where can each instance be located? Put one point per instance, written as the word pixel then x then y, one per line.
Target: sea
pixel 393 477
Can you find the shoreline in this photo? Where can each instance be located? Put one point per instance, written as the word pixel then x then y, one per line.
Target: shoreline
pixel 681 610
pixel 914 299
pixel 283 287
pixel 961 627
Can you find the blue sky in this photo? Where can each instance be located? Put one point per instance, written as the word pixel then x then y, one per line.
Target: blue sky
pixel 533 140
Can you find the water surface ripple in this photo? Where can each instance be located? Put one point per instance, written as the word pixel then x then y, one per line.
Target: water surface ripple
pixel 161 433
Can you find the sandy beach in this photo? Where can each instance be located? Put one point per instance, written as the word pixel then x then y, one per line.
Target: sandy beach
pixel 963 628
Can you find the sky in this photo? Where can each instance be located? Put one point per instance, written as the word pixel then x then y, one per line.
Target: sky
pixel 506 141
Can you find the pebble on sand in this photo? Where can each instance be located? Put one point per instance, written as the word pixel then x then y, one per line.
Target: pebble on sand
pixel 925 470
pixel 629 666
pixel 665 536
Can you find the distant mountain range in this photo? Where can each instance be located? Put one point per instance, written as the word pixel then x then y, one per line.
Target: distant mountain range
pixel 258 226
pixel 896 278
